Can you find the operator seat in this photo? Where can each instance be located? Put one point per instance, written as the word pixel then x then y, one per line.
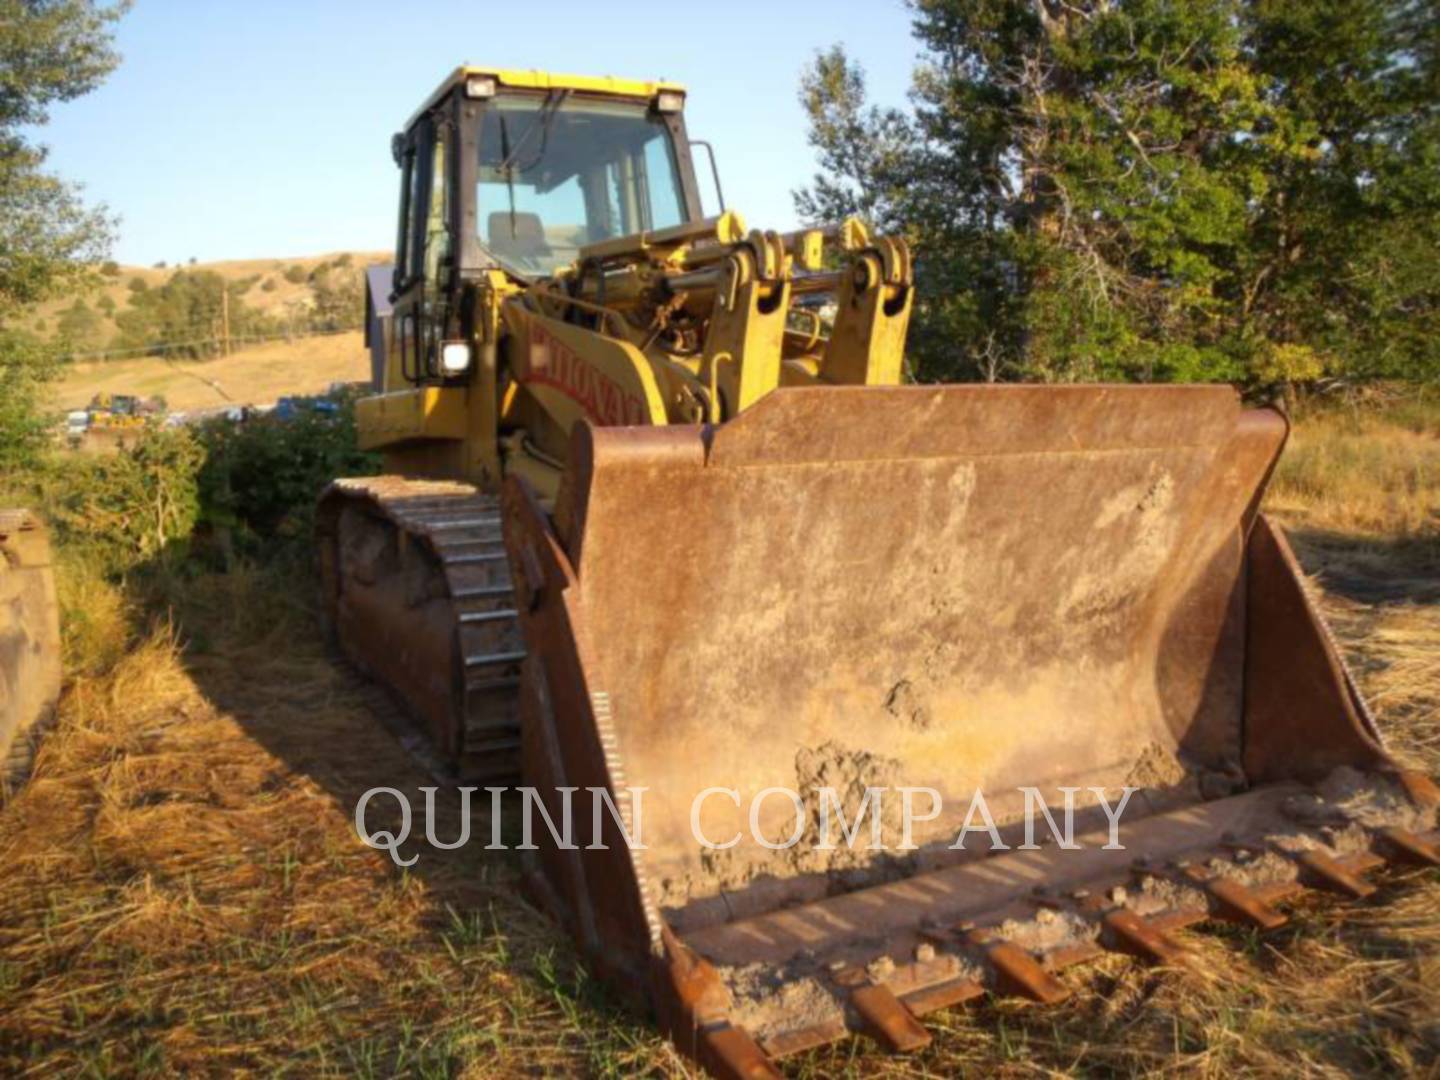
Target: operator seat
pixel 520 237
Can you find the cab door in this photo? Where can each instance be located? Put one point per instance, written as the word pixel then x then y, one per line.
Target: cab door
pixel 424 251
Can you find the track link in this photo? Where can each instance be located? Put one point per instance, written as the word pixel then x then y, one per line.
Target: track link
pixel 425 560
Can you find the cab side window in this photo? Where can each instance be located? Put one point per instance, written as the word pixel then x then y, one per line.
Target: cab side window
pixel 436 265
pixel 661 181
pixel 437 213
pixel 414 221
pixel 414 215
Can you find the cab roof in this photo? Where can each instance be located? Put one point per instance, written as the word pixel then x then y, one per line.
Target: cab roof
pixel 548 80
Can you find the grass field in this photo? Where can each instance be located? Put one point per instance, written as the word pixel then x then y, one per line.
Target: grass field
pixel 184 890
pixel 252 376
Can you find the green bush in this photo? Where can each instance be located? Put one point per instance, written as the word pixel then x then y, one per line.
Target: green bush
pixel 262 476
pixel 339 300
pixel 169 495
pixel 295 274
pixel 79 327
pixel 134 505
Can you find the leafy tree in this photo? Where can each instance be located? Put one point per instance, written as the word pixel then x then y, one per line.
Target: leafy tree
pixel 1154 189
pixel 339 300
pixel 26 366
pixel 1347 230
pixel 50 51
pixel 184 315
pixel 79 327
pixel 133 504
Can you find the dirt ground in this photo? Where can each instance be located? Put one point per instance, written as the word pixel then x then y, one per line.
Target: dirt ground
pixel 184 891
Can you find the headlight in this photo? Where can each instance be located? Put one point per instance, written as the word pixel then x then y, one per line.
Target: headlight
pixel 454 358
pixel 669 101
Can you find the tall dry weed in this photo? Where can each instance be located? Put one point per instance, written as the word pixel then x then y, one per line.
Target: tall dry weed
pixel 1371 473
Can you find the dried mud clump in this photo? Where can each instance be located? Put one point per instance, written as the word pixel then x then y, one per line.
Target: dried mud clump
pixel 807 870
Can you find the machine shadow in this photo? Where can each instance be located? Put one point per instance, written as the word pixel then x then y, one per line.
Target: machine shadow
pixel 328 726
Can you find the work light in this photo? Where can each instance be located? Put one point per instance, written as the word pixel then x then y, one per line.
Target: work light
pixel 480 86
pixel 455 357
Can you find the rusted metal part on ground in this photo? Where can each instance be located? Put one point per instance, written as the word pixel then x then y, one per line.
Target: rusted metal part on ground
pixel 888 1020
pixel 1132 934
pixel 1229 898
pixel 29 642
pixel 944 588
pixel 1017 972
pixel 1327 873
pixel 1410 848
pixel 416 591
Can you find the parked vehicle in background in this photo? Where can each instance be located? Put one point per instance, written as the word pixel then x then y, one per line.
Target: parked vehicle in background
pixel 292 408
pixel 76 424
pixel 120 411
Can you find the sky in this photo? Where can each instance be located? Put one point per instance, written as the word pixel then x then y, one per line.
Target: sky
pixel 262 128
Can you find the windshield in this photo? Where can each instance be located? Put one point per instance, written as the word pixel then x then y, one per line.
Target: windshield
pixel 559 172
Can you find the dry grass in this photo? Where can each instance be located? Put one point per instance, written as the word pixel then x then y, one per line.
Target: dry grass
pixel 184 891
pixel 96 617
pixel 1365 472
pixel 251 376
pixel 1359 491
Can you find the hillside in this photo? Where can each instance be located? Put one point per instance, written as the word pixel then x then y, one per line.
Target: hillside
pixel 251 376
pixel 277 289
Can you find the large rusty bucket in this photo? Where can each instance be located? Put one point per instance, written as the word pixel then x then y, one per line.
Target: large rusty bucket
pixel 29 640
pixel 929 592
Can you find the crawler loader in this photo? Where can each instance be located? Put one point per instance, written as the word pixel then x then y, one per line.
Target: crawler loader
pixel 653 524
